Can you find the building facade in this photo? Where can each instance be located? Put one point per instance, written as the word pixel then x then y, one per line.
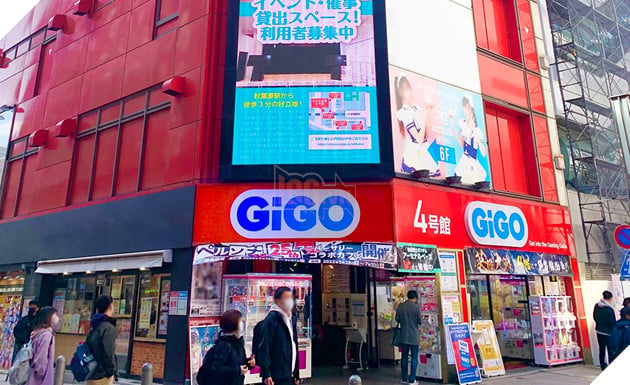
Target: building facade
pixel 162 152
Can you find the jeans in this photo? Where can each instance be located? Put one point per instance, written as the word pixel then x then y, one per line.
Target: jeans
pixel 404 362
pixel 604 346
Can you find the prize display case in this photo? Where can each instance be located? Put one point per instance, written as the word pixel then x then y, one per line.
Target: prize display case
pixel 389 294
pixel 252 295
pixel 511 317
pixel 553 326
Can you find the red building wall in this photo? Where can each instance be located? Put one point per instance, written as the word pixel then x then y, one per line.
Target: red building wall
pixel 100 67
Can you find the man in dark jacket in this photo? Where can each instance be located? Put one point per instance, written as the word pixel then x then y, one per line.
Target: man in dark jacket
pixel 409 318
pixel 620 338
pixel 102 342
pixel 24 327
pixel 604 316
pixel 278 354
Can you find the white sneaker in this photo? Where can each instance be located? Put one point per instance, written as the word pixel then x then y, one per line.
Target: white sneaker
pixel 414 383
pixel 404 382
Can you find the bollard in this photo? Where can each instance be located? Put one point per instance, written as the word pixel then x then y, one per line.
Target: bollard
pixel 355 380
pixel 147 374
pixel 60 370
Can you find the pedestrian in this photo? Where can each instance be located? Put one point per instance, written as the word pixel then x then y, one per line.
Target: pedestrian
pixel 626 303
pixel 409 318
pixel 24 327
pixel 226 362
pixel 277 355
pixel 620 338
pixel 43 342
pixel 604 316
pixel 102 342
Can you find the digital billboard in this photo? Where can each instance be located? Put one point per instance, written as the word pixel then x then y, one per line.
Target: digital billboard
pixel 305 83
pixel 438 128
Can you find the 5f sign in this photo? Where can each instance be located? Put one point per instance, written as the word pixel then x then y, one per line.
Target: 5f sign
pixel 496 225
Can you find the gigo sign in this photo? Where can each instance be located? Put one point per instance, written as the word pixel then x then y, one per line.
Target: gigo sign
pixel 496 225
pixel 309 213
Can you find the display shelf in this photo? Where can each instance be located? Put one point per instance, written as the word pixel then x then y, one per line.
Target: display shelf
pixel 554 330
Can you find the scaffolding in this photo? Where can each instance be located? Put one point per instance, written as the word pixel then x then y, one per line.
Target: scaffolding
pixel 592 65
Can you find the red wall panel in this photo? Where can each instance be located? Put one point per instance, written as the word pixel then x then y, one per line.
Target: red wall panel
pixel 51 188
pixel 70 61
pixel 480 23
pixel 27 86
pixel 11 189
pixel 545 160
pixel 46 67
pixel 527 34
pixel 82 169
pixel 104 166
pixel 129 158
pixel 108 42
pixel 512 152
pixel 44 10
pixel 141 26
pixel 30 119
pixel 536 97
pixel 496 27
pixel 150 64
pixel 502 81
pixel 62 101
pixel 182 142
pixel 155 151
pixel 29 185
pixel 109 13
pixel 188 56
pixel 102 84
pixel 494 145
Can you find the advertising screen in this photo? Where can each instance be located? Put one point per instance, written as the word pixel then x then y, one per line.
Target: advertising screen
pixel 305 83
pixel 438 128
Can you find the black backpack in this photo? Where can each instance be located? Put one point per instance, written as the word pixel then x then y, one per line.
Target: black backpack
pixel 258 338
pixel 204 375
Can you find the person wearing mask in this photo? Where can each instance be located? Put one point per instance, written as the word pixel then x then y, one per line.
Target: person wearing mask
pixel 226 362
pixel 277 355
pixel 604 316
pixel 43 342
pixel 409 318
pixel 102 342
pixel 620 337
pixel 24 327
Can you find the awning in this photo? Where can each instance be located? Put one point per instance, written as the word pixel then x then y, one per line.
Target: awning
pixel 143 260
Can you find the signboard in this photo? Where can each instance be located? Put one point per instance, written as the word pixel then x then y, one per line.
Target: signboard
pixel 510 262
pixel 305 84
pixel 451 309
pixel 418 258
pixel 461 344
pixel 438 128
pixel 202 338
pixel 625 265
pixel 377 255
pixel 496 225
pixel 178 303
pixel 206 287
pixel 363 214
pixel 485 337
pixel 622 236
pixel 437 216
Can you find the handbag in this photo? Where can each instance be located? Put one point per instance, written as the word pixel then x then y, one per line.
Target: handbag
pixel 396 336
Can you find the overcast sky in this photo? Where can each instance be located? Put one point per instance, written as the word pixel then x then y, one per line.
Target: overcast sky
pixel 12 11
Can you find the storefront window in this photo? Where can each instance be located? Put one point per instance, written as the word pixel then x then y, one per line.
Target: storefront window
pixel 153 305
pixel 479 298
pixel 11 286
pixel 74 299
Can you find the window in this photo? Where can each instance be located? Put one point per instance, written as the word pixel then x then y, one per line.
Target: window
pixel 19 159
pixel 44 68
pixel 74 299
pixel 100 4
pixel 497 28
pixel 38 38
pixel 153 306
pixel 6 122
pixel 110 153
pixel 166 12
pixel 512 151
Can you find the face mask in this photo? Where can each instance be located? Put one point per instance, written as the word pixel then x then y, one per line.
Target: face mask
pixel 287 305
pixel 54 320
pixel 241 328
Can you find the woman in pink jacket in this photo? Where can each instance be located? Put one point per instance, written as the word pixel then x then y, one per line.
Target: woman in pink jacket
pixel 43 340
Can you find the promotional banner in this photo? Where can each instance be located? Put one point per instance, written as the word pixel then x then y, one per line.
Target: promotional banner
pixel 464 353
pixel 493 261
pixel 202 338
pixel 455 220
pixel 437 128
pixel 417 258
pixel 305 83
pixel 485 337
pixel 206 288
pixel 376 255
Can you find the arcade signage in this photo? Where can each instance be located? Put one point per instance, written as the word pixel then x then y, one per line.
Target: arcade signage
pixel 496 225
pixel 511 262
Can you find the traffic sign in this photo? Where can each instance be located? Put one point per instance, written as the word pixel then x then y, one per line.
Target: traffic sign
pixel 622 236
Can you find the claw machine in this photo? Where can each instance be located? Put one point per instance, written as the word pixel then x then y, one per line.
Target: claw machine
pixel 252 295
pixel 389 294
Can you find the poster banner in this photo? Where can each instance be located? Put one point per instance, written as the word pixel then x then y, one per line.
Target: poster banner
pixel 376 255
pixel 460 341
pixel 305 83
pixel 418 258
pixel 202 338
pixel 437 128
pixel 485 337
pixel 497 261
pixel 206 289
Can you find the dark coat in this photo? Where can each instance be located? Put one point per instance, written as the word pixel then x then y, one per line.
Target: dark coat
pixel 22 330
pixel 102 343
pixel 227 358
pixel 620 338
pixel 409 318
pixel 275 353
pixel 605 319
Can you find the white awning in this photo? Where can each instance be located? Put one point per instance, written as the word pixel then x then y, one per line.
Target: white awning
pixel 143 260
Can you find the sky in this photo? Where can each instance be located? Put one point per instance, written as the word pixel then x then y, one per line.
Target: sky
pixel 12 12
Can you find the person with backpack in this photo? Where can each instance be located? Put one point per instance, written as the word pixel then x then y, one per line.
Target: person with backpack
pixel 24 327
pixel 604 316
pixel 43 345
pixel 278 354
pixel 102 342
pixel 226 362
pixel 620 337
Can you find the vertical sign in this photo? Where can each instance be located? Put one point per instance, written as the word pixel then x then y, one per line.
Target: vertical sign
pixel 486 339
pixel 305 83
pixel 462 347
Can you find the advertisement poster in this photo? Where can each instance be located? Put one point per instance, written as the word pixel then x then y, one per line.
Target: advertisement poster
pixel 305 83
pixel 25 302
pixel 182 303
pixel 497 261
pixel 451 309
pixel 145 313
pixel 464 353
pixel 205 292
pixel 58 303
pixel 418 258
pixel 485 337
pixel 9 316
pixel 437 128
pixel 201 340
pixel 116 288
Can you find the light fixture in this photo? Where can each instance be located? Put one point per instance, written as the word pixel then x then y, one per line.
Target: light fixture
pixel 454 180
pixel 143 269
pixel 66 273
pixel 114 270
pixel 421 174
pixel 88 272
pixel 482 185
